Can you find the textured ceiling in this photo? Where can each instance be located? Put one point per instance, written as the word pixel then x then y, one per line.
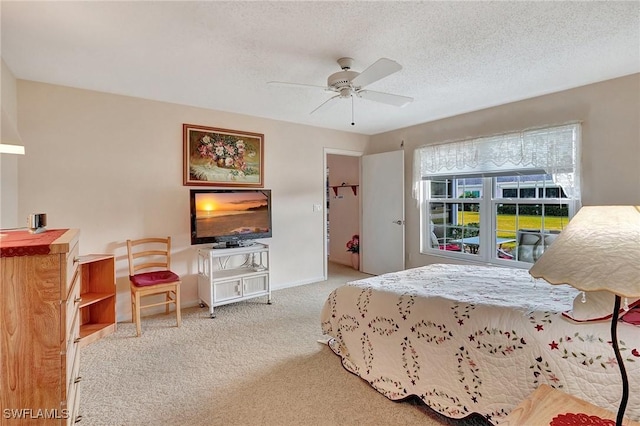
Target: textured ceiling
pixel 456 56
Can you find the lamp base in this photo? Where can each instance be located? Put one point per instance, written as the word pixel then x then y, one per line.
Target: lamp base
pixel 616 351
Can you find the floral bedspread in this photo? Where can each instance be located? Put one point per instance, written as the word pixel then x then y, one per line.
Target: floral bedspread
pixel 478 339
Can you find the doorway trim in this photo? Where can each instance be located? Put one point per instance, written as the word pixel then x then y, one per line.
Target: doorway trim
pixel 333 151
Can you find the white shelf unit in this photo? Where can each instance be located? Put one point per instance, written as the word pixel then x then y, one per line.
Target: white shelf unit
pixel 231 275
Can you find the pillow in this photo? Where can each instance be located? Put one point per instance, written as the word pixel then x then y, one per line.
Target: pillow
pixel 633 316
pixel 597 306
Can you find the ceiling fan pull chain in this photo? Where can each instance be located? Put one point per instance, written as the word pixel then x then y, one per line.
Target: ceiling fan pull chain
pixel 352 119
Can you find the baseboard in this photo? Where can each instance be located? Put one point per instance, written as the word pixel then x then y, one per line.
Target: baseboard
pixel 196 302
pixel 298 283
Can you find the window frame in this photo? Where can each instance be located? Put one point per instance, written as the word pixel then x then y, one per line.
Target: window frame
pixel 488 205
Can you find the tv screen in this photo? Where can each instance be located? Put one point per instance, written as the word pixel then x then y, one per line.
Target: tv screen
pixel 229 217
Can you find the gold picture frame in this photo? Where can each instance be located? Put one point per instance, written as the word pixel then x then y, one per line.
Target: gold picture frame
pixel 222 157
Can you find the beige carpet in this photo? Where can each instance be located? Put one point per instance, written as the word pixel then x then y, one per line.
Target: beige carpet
pixel 254 364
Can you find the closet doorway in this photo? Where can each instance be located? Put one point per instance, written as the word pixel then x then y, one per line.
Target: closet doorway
pixel 342 204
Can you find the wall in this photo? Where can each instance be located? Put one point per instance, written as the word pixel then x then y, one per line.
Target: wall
pixel 9 162
pixel 344 209
pixel 112 166
pixel 610 152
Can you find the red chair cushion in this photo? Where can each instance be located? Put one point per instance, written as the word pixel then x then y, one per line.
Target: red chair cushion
pixel 152 278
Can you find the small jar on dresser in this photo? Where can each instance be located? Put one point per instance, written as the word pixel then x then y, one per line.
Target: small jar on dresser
pixel 39 327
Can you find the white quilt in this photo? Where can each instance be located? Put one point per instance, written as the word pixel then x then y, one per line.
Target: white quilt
pixel 478 339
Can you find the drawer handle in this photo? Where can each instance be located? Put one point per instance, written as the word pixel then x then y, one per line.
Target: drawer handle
pixel 76 340
pixel 77 380
pixel 78 419
pixel 76 259
pixel 78 300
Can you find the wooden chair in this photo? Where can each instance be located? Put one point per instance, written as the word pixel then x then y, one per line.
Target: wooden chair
pixel 152 256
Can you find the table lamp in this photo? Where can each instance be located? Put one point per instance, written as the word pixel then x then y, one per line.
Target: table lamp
pixel 598 250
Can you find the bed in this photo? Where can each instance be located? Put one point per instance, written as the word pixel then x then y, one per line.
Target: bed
pixel 477 339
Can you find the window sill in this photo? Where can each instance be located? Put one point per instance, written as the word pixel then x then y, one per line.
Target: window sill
pixel 466 258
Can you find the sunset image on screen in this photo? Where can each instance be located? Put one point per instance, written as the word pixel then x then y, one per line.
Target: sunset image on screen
pixel 220 204
pixel 222 213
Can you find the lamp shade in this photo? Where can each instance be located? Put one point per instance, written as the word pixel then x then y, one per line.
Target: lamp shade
pixel 598 250
pixel 10 141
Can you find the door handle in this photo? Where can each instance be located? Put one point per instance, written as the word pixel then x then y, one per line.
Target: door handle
pixel 399 222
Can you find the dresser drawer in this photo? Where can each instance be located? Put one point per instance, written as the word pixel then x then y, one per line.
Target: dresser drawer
pixel 74 406
pixel 69 309
pixel 71 360
pixel 73 330
pixel 72 260
pixel 73 390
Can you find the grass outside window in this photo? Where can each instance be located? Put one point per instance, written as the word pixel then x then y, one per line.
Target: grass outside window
pixel 507 225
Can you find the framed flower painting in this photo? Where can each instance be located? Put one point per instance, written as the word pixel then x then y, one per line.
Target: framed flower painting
pixel 222 157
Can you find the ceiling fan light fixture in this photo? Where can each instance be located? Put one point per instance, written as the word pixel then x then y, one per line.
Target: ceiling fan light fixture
pixel 349 84
pixel 345 92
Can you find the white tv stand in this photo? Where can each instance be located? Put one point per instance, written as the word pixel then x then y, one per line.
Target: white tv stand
pixel 229 275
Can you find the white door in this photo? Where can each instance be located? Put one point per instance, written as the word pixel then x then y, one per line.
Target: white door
pixel 382 237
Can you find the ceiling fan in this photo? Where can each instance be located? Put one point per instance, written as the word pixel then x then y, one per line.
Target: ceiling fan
pixel 349 84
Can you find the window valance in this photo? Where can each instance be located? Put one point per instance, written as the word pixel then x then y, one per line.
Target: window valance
pixel 553 150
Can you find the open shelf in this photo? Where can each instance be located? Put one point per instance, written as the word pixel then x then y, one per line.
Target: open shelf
pixel 91 332
pixel 89 329
pixel 98 294
pixel 91 298
pixel 225 277
pixel 354 188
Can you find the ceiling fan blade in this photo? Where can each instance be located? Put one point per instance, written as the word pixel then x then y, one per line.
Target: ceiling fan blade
pixel 376 71
pixel 326 104
pixel 386 98
pixel 286 84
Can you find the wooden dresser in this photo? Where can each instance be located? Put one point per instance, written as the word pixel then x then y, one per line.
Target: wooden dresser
pixel 39 328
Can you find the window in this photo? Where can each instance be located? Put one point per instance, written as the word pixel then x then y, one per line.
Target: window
pixel 510 193
pixel 475 208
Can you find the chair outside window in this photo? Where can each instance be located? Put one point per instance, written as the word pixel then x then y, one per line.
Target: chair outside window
pixel 150 274
pixel 440 241
pixel 532 243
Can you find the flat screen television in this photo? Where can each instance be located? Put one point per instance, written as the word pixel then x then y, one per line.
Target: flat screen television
pixel 229 217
